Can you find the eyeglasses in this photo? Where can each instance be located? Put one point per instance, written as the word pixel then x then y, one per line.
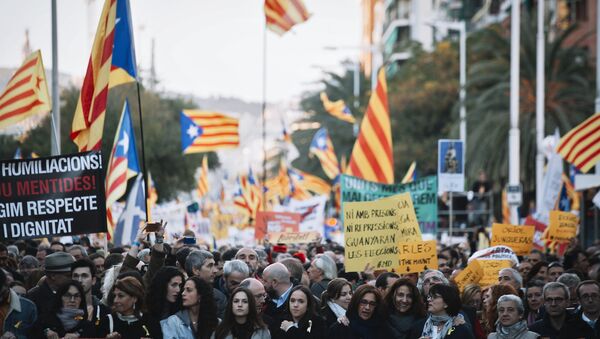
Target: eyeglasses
pixel 69 296
pixel 364 302
pixel 260 296
pixel 433 296
pixel 431 280
pixel 592 296
pixel 554 300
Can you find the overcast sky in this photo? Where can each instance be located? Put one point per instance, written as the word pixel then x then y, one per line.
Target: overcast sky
pixel 203 47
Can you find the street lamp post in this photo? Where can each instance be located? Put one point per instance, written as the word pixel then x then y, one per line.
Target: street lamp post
pixel 514 132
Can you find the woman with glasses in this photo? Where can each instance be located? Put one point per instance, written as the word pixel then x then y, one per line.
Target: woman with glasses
pixel 301 319
pixel 241 318
pixel 443 305
pixel 68 319
pixel 534 307
pixel 404 306
pixel 335 300
pixel 364 315
pixel 510 323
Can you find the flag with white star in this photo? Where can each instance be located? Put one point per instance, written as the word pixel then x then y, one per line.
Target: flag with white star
pixel 203 131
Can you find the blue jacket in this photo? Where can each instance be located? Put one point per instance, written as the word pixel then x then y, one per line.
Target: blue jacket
pixel 20 317
pixel 177 326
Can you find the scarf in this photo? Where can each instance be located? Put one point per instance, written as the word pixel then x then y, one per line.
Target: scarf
pixel 512 331
pixel 338 310
pixel 127 318
pixel 70 317
pixel 434 321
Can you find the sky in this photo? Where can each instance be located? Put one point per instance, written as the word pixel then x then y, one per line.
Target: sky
pixel 202 47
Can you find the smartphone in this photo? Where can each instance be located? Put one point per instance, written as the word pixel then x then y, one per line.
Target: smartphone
pixel 189 241
pixel 152 227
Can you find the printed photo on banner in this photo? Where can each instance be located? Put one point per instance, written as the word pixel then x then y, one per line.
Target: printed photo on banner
pixel 54 196
pixel 451 166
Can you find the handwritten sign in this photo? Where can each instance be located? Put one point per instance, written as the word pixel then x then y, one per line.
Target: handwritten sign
pixel 275 222
pixel 373 229
pixel 294 237
pixel 491 268
pixel 470 275
pixel 563 226
pixel 519 238
pixel 417 256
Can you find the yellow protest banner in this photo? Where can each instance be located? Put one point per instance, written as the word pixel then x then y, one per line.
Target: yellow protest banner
pixel 373 229
pixel 519 238
pixel 491 268
pixel 416 256
pixel 563 226
pixel 470 275
pixel 293 237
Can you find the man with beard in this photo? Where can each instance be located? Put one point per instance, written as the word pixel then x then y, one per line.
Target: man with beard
pixel 276 278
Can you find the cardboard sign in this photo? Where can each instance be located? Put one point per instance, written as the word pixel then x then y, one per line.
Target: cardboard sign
pixel 54 196
pixel 275 222
pixel 519 238
pixel 563 226
pixel 373 229
pixel 417 256
pixel 423 192
pixel 496 253
pixel 470 275
pixel 491 268
pixel 294 237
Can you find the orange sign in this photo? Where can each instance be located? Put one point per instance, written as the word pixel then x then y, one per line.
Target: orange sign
pixel 275 222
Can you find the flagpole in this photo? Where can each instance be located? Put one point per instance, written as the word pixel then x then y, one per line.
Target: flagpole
pixel 139 97
pixel 263 117
pixel 55 116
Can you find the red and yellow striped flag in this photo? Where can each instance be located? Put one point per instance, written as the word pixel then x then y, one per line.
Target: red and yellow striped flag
pixel 26 93
pixel 581 146
pixel 282 15
pixel 372 157
pixel 203 180
pixel 88 121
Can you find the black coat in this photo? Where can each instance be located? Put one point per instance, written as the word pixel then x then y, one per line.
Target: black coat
pixel 374 328
pixel 318 330
pixel 572 328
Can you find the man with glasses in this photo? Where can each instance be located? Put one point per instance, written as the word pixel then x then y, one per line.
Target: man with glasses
pixel 429 279
pixel 58 272
pixel 557 323
pixel 588 293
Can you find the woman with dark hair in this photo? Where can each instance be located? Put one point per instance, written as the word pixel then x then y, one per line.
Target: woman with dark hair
pixel 126 320
pixel 162 296
pixel 490 300
pixel 538 271
pixel 534 306
pixel 301 319
pixel 67 319
pixel 241 319
pixel 404 306
pixel 443 305
pixel 365 316
pixel 198 316
pixel 335 300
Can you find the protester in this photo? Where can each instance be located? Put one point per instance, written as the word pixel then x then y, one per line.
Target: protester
pixel 384 281
pixel 84 272
pixel 555 270
pixel 58 272
pixel 276 279
pixel 429 279
pixel 198 318
pixel 490 299
pixel 588 293
pixel 570 280
pixel 201 264
pixel 258 291
pixel 250 257
pixel 18 314
pixel 234 272
pixel 535 256
pixel 510 320
pixel 126 320
pixel 472 297
pixel 539 270
pixel 301 319
pixel 403 306
pixel 335 300
pixel 241 319
pixel 162 296
pixel 557 322
pixel 322 270
pixel 524 268
pixel 511 277
pixel 534 307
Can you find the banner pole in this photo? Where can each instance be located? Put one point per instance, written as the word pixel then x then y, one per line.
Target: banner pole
pixel 263 118
pixel 139 97
pixel 450 218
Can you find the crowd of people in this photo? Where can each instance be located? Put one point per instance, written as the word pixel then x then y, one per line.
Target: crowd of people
pixel 151 289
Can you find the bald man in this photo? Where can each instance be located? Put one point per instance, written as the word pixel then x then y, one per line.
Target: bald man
pixel 258 290
pixel 278 285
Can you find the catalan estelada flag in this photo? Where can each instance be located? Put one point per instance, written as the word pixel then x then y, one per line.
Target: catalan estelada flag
pixel 322 147
pixel 26 93
pixel 581 146
pixel 282 15
pixel 123 67
pixel 203 179
pixel 411 173
pixel 337 108
pixel 372 157
pixel 203 131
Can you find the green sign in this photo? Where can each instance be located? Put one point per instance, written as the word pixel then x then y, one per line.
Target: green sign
pixel 422 191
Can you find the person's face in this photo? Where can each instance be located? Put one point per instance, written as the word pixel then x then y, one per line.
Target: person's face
pixel 487 298
pixel 589 298
pixel 367 306
pixel 248 256
pixel 298 304
pixel 582 262
pixel 123 302
pixel 40 256
pixel 173 288
pixel 555 272
pixel 403 299
pixel 555 302
pixel 234 280
pixel 76 253
pixel 542 274
pixel 524 268
pixel 534 258
pixel 240 305
pixel 71 298
pixel 56 248
pixel 476 301
pixel 190 295
pixel 99 263
pixel 260 295
pixel 345 297
pixel 270 284
pixel 444 267
pixel 412 277
pixel 430 279
pixel 207 272
pixel 85 278
pixel 507 278
pixel 4 293
pixel 314 274
pixel 508 314
pixel 58 278
pixel 534 298
pixel 436 304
